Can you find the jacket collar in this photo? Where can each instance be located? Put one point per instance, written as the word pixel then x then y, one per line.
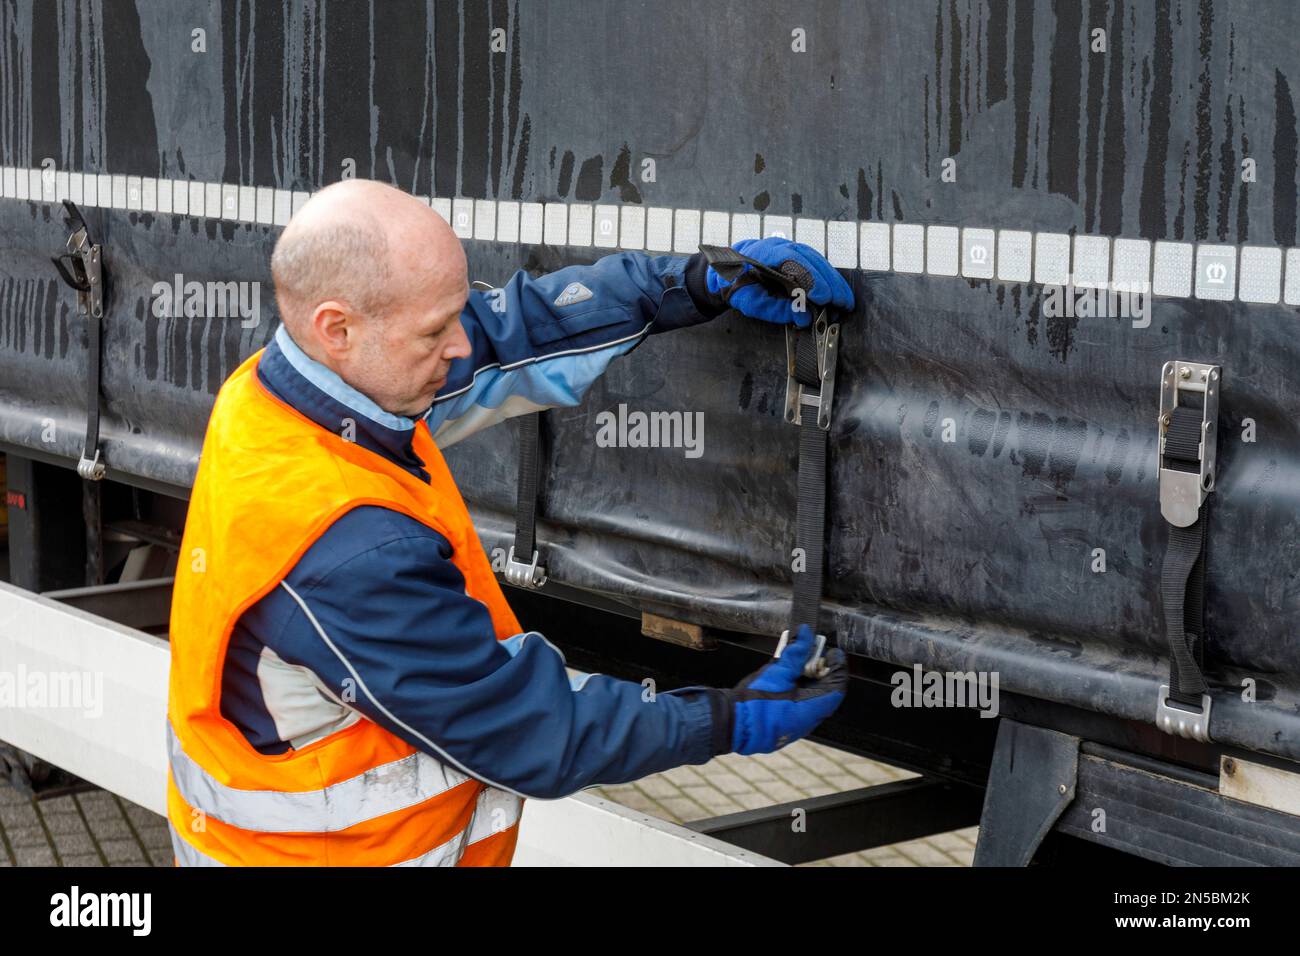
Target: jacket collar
pixel 321 395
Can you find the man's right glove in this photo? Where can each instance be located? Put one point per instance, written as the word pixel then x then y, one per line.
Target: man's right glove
pixel 777 705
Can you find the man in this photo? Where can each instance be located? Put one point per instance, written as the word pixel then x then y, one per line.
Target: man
pixel 348 684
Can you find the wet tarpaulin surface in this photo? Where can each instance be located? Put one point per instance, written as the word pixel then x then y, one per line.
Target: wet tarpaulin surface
pixel 983 448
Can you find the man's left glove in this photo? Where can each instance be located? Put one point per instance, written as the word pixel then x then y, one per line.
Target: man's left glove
pixel 772 279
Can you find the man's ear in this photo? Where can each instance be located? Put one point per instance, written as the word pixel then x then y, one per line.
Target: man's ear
pixel 333 325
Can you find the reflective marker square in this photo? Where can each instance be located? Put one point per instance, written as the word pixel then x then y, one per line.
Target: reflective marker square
pixel 1131 269
pixel 1052 258
pixel 530 223
pixel 717 229
pixel 580 225
pixel 61 186
pixel 782 226
pixel 247 204
pixel 812 233
pixel 873 253
pixel 632 232
pixel 842 244
pixel 485 219
pixel 659 229
pixel 149 194
pixel 909 248
pixel 1091 262
pixel 76 189
pixel 977 253
pixel 1261 274
pixel 507 222
pixel 1292 293
pixel 686 231
pixel 229 201
pixel 265 205
pixel 299 200
pixel 1015 255
pixel 462 218
pixel 181 197
pixel 746 225
pixel 605 227
pixel 132 192
pixel 1216 272
pixel 283 207
pixel 1172 269
pixel 443 208
pixel 197 204
pixel 941 256
pixel 556 228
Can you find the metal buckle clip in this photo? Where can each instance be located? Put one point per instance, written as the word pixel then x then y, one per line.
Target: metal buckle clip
pixel 796 393
pixel 90 469
pixel 1183 492
pixel 1176 718
pixel 523 575
pixel 815 668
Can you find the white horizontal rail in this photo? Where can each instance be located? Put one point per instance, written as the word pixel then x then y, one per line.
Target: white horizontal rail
pixel 90 696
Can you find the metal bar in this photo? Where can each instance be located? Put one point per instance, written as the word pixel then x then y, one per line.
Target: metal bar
pixel 805 830
pixel 139 604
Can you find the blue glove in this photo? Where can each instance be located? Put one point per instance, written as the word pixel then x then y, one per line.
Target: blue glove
pixel 777 705
pixel 762 280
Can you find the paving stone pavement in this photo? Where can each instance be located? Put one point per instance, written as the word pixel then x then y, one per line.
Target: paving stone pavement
pixel 101 829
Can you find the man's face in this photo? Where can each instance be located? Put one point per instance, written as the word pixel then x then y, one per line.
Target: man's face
pixel 404 357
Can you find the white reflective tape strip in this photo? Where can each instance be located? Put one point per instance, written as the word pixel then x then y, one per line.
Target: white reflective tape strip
pixel 716 229
pixel 187 855
pixel 1167 268
pixel 909 248
pixel 977 253
pixel 1052 258
pixel 1216 272
pixel 1131 265
pixel 1261 274
pixel 1172 275
pixel 941 251
pixel 605 227
pixel 580 225
pixel 485 219
pixel 1291 295
pixel 397 785
pixel 632 228
pixel 659 229
pixel 746 225
pixel 874 252
pixel 1091 262
pixel 780 226
pixel 530 223
pixel 462 217
pixel 686 231
pixel 556 220
pixel 507 222
pixel 495 811
pixel 842 244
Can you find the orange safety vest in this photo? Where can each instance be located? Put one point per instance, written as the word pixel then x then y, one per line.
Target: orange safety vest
pixel 270 482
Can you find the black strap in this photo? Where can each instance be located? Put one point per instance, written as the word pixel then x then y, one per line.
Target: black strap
pixel 530 428
pixel 1182 577
pixel 93 362
pixel 810 522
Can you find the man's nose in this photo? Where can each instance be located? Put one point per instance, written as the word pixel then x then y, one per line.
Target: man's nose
pixel 459 346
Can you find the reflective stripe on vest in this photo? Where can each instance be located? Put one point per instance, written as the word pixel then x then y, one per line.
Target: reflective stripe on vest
pixel 380 790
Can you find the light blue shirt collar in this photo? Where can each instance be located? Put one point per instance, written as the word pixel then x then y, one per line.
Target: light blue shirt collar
pixel 329 382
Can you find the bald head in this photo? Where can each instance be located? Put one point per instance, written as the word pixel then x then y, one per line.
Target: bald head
pixel 366 278
pixel 360 242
